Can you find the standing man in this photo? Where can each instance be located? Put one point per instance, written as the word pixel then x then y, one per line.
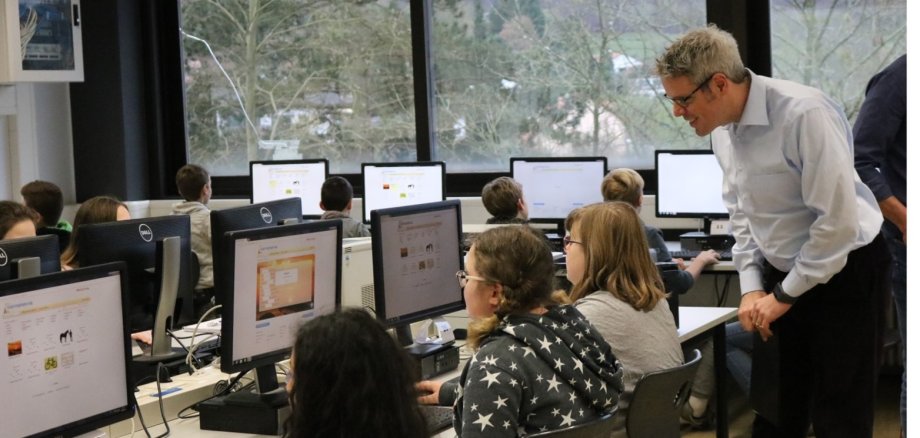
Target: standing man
pixel 880 139
pixel 810 259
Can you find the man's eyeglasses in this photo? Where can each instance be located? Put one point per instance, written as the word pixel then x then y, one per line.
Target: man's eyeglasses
pixel 566 241
pixel 463 278
pixel 684 101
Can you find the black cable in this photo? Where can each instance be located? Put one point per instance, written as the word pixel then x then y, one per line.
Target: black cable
pixel 187 351
pixel 160 367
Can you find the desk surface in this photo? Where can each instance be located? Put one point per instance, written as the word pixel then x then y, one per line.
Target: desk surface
pixel 694 321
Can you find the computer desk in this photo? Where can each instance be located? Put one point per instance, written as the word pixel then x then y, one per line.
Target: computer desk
pixel 697 324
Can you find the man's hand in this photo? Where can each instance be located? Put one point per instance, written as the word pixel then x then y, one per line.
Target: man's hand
pixel 746 308
pixel 766 310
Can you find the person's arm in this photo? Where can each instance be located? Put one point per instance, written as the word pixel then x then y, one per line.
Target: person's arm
pixel 700 262
pixel 438 393
pixel 880 120
pixel 896 213
pixel 819 144
pixel 491 399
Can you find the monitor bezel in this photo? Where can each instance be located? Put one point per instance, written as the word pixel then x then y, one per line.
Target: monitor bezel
pixel 252 194
pixel 696 215
pixel 77 275
pixel 230 219
pixel 582 159
pixel 365 214
pixel 377 262
pixel 227 323
pixel 48 243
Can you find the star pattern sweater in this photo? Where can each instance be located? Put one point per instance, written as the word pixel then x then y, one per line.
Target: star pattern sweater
pixel 536 373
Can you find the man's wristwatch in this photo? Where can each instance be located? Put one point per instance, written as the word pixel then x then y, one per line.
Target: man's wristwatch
pixel 781 295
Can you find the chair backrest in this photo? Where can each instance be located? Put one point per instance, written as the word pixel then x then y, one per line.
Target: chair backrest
pixel 601 427
pixel 669 276
pixel 658 398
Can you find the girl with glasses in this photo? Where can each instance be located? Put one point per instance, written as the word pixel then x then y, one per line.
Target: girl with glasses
pixel 617 288
pixel 538 364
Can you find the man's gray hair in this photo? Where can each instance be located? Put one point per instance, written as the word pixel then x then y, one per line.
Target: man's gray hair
pixel 699 54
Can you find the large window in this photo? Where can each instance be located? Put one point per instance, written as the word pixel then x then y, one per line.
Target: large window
pixel 837 46
pixel 304 79
pixel 554 78
pixel 335 79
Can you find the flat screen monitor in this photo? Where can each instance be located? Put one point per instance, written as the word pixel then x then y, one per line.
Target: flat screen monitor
pixel 273 180
pixel 261 215
pixel 282 277
pixel 416 255
pixel 689 185
pixel 553 187
pixel 45 248
pixel 136 243
pixel 65 368
pixel 389 185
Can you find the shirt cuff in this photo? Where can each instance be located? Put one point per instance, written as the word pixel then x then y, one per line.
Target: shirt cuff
pixel 795 285
pixel 750 281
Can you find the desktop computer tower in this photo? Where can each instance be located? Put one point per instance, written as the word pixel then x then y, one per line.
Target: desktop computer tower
pixel 357 273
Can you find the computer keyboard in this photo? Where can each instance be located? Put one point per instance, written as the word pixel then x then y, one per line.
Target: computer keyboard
pixel 438 417
pixel 687 254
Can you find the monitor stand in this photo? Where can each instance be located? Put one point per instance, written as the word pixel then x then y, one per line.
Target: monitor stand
pixel 27 267
pixel 98 433
pixel 168 267
pixel 261 412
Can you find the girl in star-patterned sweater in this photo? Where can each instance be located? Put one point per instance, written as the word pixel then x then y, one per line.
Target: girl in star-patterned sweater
pixel 539 365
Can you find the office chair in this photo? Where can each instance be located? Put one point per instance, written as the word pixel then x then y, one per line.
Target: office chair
pixel 669 275
pixel 654 411
pixel 601 427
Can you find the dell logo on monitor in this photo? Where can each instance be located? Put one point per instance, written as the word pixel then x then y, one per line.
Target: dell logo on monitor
pixel 3 257
pixel 266 215
pixel 146 232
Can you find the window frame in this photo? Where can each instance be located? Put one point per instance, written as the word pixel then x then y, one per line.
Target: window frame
pixel 748 21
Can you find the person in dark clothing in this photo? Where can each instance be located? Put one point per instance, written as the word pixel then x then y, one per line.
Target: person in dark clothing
pixel 539 365
pixel 880 148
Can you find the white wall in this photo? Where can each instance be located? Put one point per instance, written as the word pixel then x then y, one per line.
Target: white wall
pixel 35 138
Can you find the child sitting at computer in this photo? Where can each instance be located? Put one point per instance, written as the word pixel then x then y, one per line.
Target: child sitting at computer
pixel 47 200
pixel 335 200
pixel 626 185
pixel 538 365
pixel 349 378
pixel 16 220
pixel 194 184
pixel 618 289
pixel 503 198
pixel 95 210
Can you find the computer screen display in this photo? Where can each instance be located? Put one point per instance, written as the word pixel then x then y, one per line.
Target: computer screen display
pixel 416 255
pixel 135 242
pixel 281 276
pixel 689 185
pixel 261 215
pixel 65 366
pixel 43 247
pixel 389 185
pixel 273 180
pixel 553 187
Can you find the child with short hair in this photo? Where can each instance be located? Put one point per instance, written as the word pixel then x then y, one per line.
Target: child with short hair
pixel 503 197
pixel 335 200
pixel 194 185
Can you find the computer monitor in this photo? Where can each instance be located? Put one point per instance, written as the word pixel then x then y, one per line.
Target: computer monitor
pixel 689 185
pixel 65 367
pixel 281 277
pixel 416 255
pixel 41 249
pixel 553 187
pixel 273 180
pixel 261 215
pixel 140 244
pixel 389 185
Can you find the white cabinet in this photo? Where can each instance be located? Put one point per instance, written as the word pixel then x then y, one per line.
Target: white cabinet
pixel 41 41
